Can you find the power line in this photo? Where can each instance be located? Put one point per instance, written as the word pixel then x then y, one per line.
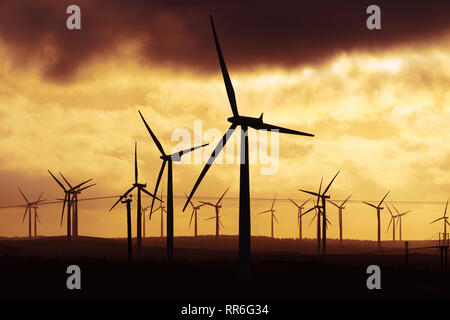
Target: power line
pixel 410 202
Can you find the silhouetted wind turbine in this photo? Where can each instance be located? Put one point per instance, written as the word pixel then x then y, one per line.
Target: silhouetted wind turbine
pixel 162 210
pixel 28 209
pixel 244 190
pixel 399 218
pixel 323 196
pixel 140 188
pixel 67 199
pixel 445 218
pixel 272 215
pixel 299 216
pixel 194 215
pixel 391 221
pixel 379 208
pixel 217 207
pixel 340 208
pixel 74 202
pixel 167 158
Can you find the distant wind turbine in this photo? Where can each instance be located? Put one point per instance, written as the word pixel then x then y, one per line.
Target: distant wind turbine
pixel 68 198
pixel 167 159
pixel 378 208
pixel 299 215
pixel 29 207
pixel 323 196
pixel 340 208
pixel 272 215
pixel 445 219
pixel 162 210
pixel 194 215
pixel 140 188
pixel 399 219
pixel 391 221
pixel 217 206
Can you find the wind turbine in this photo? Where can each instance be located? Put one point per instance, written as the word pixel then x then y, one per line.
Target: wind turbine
pixel 217 207
pixel 244 189
pixel 445 218
pixel 391 221
pixel 379 208
pixel 272 215
pixel 67 199
pixel 74 202
pixel 28 209
pixel 340 208
pixel 167 158
pixel 140 188
pixel 399 218
pixel 162 210
pixel 322 196
pixel 194 215
pixel 299 216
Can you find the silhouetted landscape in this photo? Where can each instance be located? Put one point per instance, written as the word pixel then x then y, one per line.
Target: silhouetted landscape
pixel 205 268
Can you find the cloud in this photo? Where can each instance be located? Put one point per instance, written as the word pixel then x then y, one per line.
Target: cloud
pixel 177 33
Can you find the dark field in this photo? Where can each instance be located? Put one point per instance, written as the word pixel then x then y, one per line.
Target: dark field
pixel 205 268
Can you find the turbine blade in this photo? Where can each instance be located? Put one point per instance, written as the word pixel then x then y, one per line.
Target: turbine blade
pixel 305 202
pixel 161 171
pixel 309 210
pixel 395 208
pixel 295 204
pixel 22 194
pixel 57 181
pixel 226 76
pixel 266 126
pixel 151 195
pixel 310 192
pixel 65 180
pixel 264 211
pixel 64 205
pixel 390 221
pixel 37 216
pixel 369 204
pixel 192 215
pixel 275 217
pixel 210 218
pixel 383 198
pixel 220 222
pixel 158 144
pixel 333 203
pixel 273 203
pixel 220 199
pixel 79 185
pixel 25 214
pixel 207 203
pixel 312 220
pixel 84 188
pixel 213 156
pixel 389 210
pixel 189 201
pixel 437 220
pixel 345 200
pixel 329 185
pixel 180 153
pixel 122 196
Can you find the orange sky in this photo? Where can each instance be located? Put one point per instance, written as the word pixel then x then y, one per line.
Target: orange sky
pixel 380 117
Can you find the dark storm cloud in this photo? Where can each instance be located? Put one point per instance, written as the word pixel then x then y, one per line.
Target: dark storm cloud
pixel 285 33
